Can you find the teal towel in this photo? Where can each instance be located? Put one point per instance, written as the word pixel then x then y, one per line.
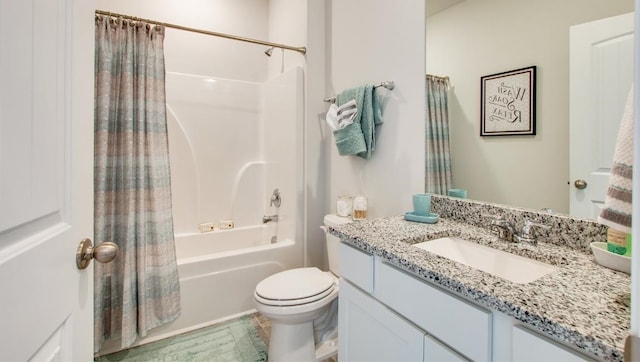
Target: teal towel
pixel 368 117
pixel 350 140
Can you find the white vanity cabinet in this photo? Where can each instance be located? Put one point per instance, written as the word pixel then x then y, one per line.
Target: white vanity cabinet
pixel 371 332
pixel 529 346
pixel 357 266
pixel 386 314
pixel 461 325
pixel 438 352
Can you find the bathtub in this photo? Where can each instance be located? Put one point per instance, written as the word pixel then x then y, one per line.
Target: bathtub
pixel 218 274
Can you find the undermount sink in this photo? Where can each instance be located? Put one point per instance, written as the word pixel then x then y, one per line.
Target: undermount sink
pixel 514 268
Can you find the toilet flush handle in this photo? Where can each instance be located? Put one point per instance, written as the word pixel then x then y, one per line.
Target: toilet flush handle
pixel 323 228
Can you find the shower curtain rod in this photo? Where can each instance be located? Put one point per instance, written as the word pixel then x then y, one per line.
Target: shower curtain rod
pixel 302 50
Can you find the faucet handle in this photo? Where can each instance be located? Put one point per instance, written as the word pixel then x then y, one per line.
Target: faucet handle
pixel 500 227
pixel 528 234
pixel 275 198
pixel 494 218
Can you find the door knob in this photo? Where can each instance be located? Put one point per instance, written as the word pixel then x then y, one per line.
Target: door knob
pixel 580 184
pixel 103 252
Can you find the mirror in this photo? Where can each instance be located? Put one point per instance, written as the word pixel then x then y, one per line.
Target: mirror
pixel 468 39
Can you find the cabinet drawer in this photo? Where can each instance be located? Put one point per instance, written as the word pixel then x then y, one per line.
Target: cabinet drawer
pixel 459 324
pixel 357 267
pixel 529 346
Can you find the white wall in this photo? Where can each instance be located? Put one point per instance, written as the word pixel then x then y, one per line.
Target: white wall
pixel 369 42
pixel 477 38
pixel 202 54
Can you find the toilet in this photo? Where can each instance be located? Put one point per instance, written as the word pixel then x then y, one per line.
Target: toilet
pixel 293 299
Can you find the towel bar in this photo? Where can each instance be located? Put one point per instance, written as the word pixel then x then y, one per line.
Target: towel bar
pixel 389 85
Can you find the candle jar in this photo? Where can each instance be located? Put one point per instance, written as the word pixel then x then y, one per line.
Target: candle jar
pixel 344 205
pixel 359 208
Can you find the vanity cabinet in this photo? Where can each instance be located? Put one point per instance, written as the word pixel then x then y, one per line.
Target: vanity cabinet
pixel 459 324
pixel 436 351
pixel 391 315
pixel 529 346
pixel 357 266
pixel 371 332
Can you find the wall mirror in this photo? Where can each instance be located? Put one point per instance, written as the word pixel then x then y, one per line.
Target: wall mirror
pixel 468 39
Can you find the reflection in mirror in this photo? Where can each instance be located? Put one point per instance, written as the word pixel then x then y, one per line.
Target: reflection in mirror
pixel 473 38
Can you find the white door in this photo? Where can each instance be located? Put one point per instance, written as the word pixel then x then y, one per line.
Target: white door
pixel 46 179
pixel 601 73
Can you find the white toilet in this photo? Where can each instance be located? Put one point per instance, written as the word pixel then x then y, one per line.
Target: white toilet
pixel 293 298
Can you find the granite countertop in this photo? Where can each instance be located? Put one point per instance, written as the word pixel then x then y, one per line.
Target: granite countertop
pixel 584 304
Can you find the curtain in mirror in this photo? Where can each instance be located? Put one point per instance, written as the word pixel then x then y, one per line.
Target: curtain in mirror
pixel 139 290
pixel 438 155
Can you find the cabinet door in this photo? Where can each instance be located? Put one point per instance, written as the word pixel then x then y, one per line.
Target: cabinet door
pixel 438 352
pixel 528 346
pixel 357 267
pixel 458 323
pixel 370 332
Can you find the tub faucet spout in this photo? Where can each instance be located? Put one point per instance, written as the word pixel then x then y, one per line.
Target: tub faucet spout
pixel 269 218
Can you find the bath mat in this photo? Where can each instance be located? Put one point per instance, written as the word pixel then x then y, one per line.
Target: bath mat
pixel 237 340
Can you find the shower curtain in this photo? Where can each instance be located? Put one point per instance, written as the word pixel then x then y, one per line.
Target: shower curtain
pixel 139 290
pixel 438 155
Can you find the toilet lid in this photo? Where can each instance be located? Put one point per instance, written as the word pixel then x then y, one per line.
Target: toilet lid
pixel 295 286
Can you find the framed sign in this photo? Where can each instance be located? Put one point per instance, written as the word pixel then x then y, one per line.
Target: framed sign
pixel 508 103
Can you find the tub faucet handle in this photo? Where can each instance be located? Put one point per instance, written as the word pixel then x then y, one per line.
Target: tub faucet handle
pixel 275 198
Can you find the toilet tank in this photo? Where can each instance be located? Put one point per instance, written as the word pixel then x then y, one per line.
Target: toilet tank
pixel 333 242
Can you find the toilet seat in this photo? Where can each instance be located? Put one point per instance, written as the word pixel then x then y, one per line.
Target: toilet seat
pixel 295 287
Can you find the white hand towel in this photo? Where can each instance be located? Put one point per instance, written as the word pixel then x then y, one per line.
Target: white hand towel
pixel 347 113
pixel 616 212
pixel 332 117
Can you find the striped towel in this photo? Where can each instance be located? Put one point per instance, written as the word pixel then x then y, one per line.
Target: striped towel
pixel 340 117
pixel 346 113
pixel 616 212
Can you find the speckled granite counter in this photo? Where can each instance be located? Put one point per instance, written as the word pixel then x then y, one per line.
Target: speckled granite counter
pixel 582 303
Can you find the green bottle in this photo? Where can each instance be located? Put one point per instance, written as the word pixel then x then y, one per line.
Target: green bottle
pixel 628 253
pixel 618 242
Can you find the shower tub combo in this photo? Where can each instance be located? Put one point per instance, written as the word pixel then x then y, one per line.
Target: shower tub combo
pixel 216 177
pixel 219 271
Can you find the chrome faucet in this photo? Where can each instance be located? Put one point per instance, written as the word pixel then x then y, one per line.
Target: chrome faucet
pixel 269 218
pixel 528 235
pixel 505 230
pixel 502 228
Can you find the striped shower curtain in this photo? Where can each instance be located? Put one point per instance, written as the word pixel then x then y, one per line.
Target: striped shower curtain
pixel 438 155
pixel 139 290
